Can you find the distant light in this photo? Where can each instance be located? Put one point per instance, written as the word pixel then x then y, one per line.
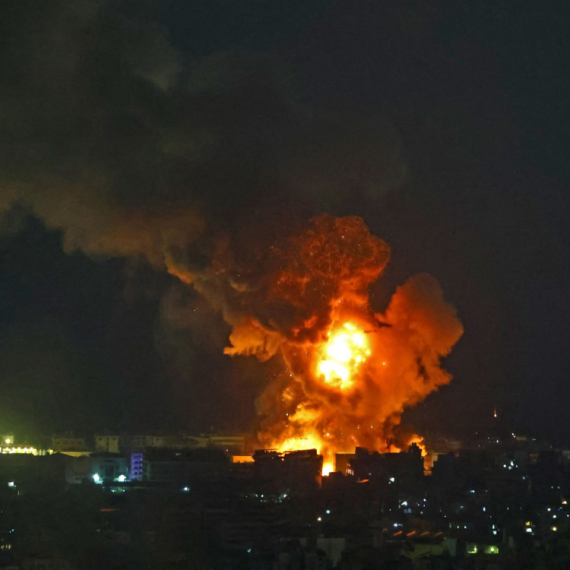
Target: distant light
pixel 328 512
pixel 392 480
pixel 7 440
pixel 11 484
pixel 96 478
pixel 553 529
pixel 320 519
pixel 528 523
pixel 529 529
pixel 564 502
pixel 186 489
pixel 122 478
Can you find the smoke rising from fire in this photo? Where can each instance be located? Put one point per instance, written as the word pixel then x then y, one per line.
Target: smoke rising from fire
pixel 348 373
pixel 110 138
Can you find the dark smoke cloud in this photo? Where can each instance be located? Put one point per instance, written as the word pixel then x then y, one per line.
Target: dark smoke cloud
pixel 131 149
pixel 109 137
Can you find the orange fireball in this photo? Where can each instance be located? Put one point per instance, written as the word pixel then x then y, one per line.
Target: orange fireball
pixel 343 353
pixel 348 373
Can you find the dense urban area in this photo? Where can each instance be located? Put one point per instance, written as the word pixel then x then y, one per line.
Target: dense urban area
pixel 203 502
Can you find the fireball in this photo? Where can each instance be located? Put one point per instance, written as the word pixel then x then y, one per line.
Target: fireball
pixel 342 355
pixel 303 298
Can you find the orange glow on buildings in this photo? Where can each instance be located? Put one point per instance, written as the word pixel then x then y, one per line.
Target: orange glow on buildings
pixel 347 372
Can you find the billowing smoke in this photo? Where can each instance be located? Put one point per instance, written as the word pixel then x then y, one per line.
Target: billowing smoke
pixel 348 374
pixel 109 137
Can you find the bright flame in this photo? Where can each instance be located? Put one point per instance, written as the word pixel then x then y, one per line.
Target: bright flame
pixel 337 362
pixel 346 349
pixel 419 441
pixel 348 372
pixel 309 441
pixel 328 468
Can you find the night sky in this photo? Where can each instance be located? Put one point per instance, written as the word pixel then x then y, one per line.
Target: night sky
pixel 443 124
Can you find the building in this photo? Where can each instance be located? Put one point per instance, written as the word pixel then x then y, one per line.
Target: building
pixel 342 462
pixel 69 444
pixel 137 466
pixel 303 469
pixel 296 470
pixel 142 442
pixel 179 467
pixel 388 467
pixel 109 467
pixel 231 444
pixel 100 467
pixel 78 469
pixel 108 443
pixel 23 449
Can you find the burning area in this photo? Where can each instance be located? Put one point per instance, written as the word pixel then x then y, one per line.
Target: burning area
pixel 348 373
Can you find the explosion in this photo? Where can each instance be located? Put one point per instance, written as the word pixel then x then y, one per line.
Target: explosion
pixel 344 351
pixel 348 373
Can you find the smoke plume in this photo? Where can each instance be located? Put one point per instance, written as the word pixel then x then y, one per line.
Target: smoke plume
pixel 111 138
pixel 348 374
